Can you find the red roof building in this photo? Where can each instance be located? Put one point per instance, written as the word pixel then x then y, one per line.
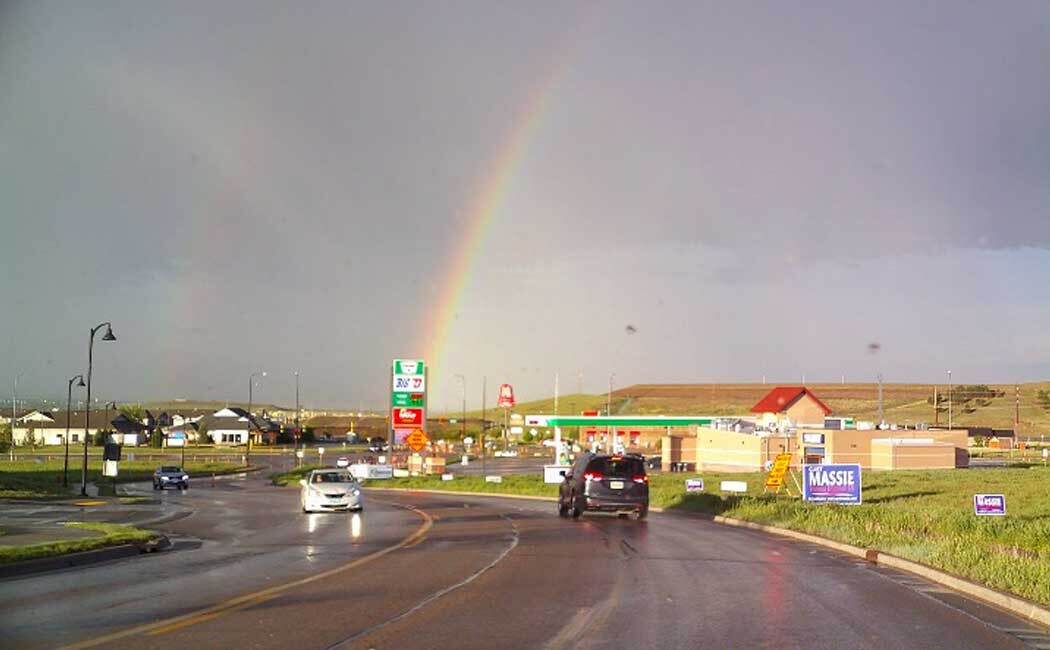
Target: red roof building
pixel 795 403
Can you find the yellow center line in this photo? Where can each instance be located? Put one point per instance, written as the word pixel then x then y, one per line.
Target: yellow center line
pixel 247 600
pixel 416 542
pixel 208 617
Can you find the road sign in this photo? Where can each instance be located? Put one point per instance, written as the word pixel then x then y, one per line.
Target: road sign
pixel 407 417
pixel 989 504
pixel 832 484
pixel 506 397
pixel 694 485
pixel 778 471
pixel 417 440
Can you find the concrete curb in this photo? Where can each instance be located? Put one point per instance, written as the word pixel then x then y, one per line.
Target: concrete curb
pixel 1014 604
pixel 40 565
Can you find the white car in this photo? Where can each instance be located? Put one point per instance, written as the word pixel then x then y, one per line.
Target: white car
pixel 330 489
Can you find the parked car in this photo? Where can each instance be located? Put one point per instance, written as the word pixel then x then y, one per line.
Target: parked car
pixel 377 445
pixel 605 483
pixel 170 476
pixel 342 461
pixel 330 489
pixel 653 462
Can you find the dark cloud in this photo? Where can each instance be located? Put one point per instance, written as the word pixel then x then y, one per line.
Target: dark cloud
pixel 297 186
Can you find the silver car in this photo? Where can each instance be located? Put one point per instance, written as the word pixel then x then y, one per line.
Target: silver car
pixel 330 489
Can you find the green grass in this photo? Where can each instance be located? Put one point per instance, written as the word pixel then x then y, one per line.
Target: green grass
pixel 925 516
pixel 111 535
pixel 192 450
pixel 25 479
pixel 294 476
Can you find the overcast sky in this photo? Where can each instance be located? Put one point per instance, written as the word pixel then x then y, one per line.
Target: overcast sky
pixel 757 189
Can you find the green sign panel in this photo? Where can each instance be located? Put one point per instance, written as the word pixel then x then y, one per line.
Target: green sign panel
pixel 408 367
pixel 409 399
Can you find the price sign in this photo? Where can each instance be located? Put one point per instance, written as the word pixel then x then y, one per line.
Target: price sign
pixel 409 383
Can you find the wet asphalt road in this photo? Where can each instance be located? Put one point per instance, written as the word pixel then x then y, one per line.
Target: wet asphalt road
pixel 426 571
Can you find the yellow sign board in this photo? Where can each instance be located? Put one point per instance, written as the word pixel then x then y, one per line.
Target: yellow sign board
pixel 778 471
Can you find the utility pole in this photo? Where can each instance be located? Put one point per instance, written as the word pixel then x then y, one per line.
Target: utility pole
pixel 936 407
pixel 484 424
pixel 881 418
pixel 949 400
pixel 1017 408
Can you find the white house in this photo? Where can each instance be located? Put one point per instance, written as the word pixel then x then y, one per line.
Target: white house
pixel 228 426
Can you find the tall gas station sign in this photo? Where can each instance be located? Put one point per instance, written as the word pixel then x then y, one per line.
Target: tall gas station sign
pixel 408 399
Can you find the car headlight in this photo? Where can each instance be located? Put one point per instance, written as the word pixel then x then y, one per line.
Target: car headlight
pixel 185 477
pixel 356 492
pixel 164 478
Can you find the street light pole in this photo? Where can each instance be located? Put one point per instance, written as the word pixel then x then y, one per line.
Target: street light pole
pixel 69 404
pixel 248 446
pixel 296 438
pixel 14 405
pixel 108 336
pixel 484 424
pixel 109 422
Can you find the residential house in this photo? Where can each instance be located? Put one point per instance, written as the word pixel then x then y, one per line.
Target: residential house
pixel 50 428
pixel 229 426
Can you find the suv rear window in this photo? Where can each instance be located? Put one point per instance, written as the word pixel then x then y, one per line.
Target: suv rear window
pixel 616 466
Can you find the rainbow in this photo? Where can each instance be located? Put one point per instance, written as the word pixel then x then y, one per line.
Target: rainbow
pixel 482 213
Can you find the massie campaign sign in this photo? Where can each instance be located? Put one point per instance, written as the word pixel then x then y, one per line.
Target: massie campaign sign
pixel 831 484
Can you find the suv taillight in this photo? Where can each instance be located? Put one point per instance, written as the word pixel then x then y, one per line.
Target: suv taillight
pixel 640 478
pixel 592 476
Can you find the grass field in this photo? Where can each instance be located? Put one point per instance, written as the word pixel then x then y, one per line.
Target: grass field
pixel 110 535
pixel 33 480
pixel 902 403
pixel 925 516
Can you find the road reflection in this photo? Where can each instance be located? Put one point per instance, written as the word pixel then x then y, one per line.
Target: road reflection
pixel 355 527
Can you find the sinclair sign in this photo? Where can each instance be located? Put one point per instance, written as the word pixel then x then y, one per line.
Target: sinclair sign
pixel 408 395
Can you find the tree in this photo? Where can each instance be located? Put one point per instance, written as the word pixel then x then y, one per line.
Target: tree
pixel 132 411
pixel 5 438
pixel 966 398
pixel 157 439
pixel 1043 398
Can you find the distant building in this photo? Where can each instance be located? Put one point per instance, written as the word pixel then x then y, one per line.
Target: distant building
pixel 790 406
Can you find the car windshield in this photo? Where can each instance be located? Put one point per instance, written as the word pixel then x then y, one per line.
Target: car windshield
pixel 170 469
pixel 332 477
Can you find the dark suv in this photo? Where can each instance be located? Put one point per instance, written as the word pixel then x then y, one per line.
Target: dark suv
pixel 607 483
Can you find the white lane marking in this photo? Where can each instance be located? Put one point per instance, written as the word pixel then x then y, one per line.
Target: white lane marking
pixel 438 594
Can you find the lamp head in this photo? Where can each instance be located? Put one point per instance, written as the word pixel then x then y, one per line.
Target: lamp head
pixel 108 336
